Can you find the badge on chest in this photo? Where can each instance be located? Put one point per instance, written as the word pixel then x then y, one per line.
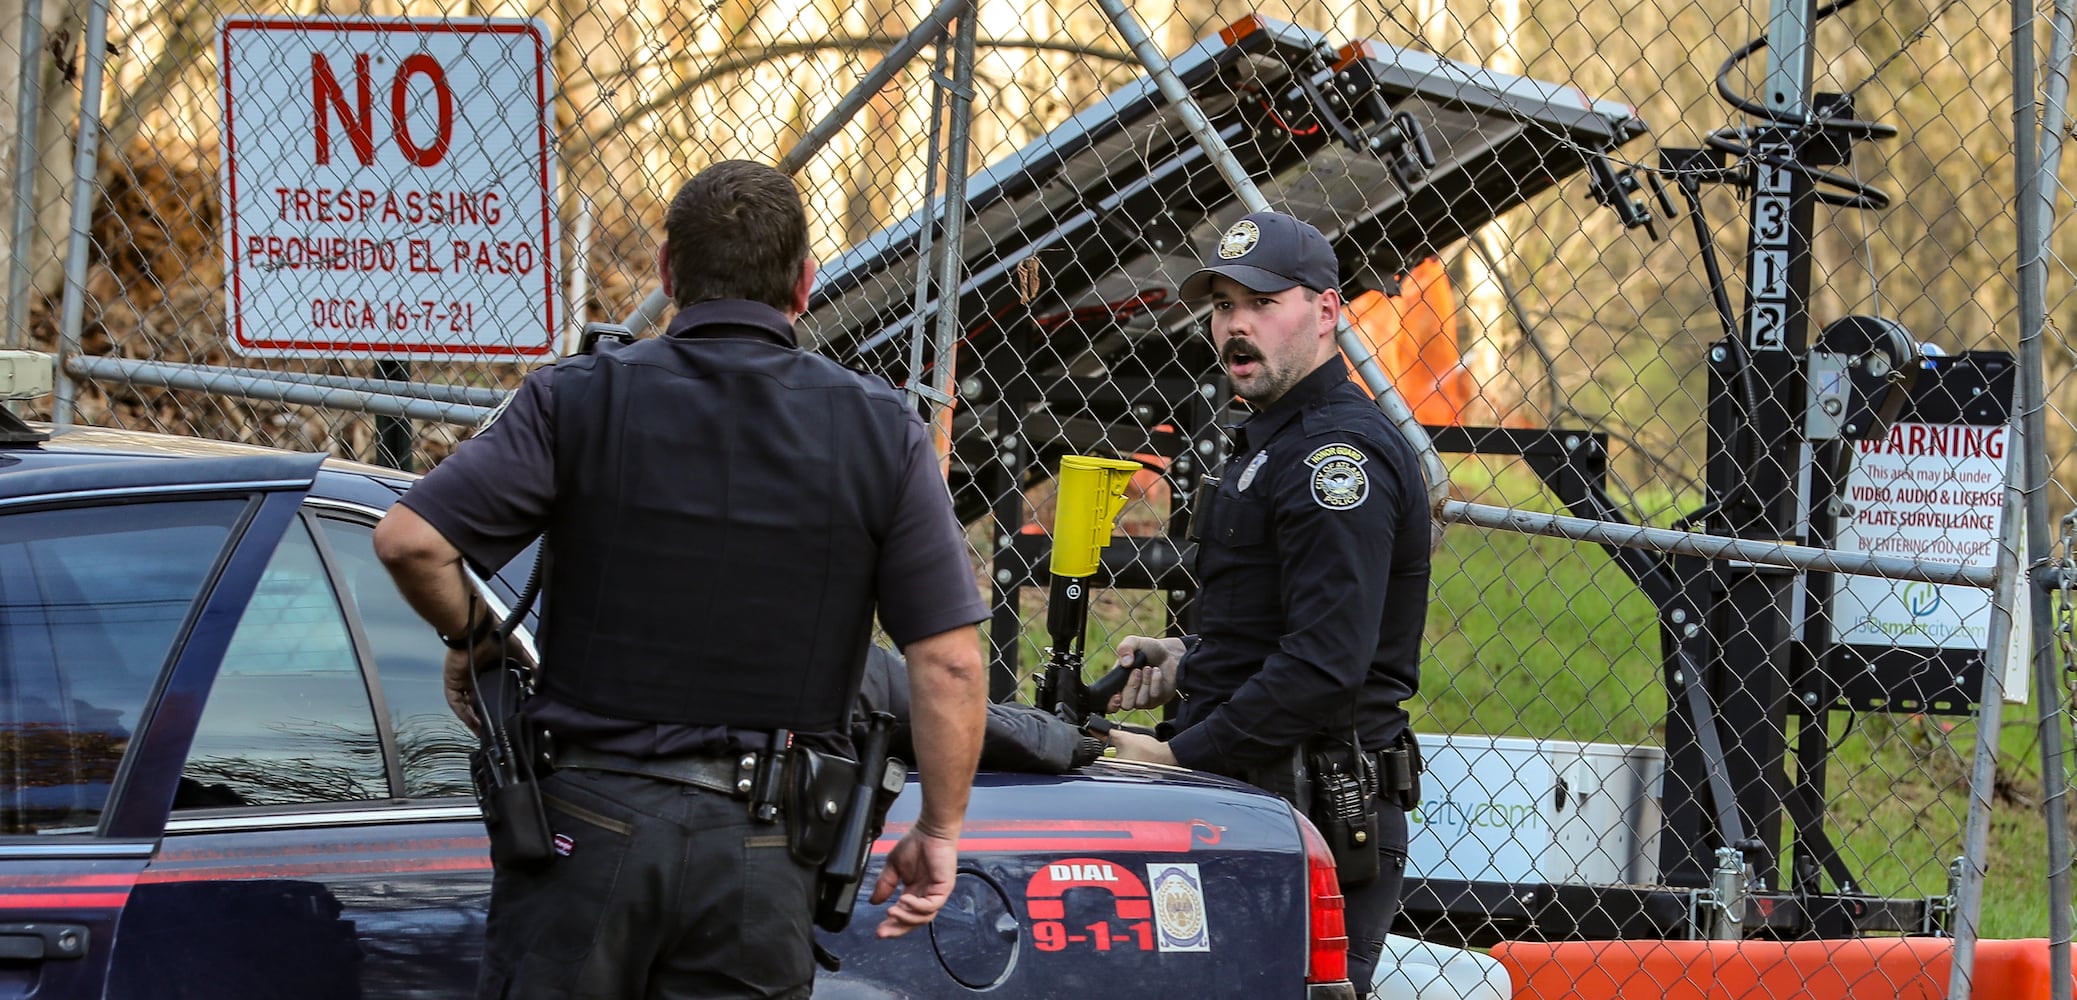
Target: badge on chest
pixel 1247 475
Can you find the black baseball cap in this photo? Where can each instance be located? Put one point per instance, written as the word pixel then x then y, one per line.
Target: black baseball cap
pixel 1269 252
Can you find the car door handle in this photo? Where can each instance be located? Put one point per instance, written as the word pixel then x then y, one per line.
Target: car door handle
pixel 36 942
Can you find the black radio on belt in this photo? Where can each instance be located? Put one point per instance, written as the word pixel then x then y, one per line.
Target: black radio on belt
pixel 594 334
pixel 511 754
pixel 1344 807
pixel 504 769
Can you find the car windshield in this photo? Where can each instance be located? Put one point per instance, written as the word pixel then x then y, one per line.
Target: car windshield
pixel 91 602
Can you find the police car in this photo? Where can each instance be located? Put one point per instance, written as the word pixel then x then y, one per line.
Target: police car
pixel 227 770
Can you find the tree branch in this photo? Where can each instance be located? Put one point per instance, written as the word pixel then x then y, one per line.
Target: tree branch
pixel 735 62
pixel 182 51
pixel 1561 406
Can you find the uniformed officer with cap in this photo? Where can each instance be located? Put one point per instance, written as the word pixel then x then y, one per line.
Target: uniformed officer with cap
pixel 1312 555
pixel 725 512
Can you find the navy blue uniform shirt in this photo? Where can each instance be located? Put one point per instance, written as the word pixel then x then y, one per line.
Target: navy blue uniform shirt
pixel 1312 566
pixel 491 498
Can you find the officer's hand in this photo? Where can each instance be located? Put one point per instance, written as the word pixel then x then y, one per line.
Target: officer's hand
pixel 1153 679
pixel 1133 746
pixel 923 866
pixel 454 675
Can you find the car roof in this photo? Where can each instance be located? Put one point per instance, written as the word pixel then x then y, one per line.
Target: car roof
pixel 340 478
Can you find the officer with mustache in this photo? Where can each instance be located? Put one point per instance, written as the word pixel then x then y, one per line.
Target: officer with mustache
pixel 1312 563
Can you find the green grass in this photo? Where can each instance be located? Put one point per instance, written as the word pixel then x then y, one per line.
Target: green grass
pixel 1540 637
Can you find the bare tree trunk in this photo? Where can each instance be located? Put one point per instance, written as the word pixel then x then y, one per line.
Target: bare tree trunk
pixel 187 33
pixel 10 111
pixel 878 167
pixel 1484 303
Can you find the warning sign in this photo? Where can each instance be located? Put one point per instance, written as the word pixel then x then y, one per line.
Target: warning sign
pixel 388 188
pixel 1930 492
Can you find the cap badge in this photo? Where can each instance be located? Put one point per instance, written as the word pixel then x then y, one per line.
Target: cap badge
pixel 1238 240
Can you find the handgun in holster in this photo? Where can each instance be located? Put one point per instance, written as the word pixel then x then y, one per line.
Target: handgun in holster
pixel 1344 784
pixel 1285 777
pixel 878 780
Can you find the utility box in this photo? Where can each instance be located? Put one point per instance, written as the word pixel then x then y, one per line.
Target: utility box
pixel 1511 810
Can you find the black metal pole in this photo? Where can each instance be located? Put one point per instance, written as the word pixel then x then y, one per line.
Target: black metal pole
pixel 395 437
pixel 1759 499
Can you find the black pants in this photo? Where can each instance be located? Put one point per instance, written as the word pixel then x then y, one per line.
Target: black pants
pixel 668 892
pixel 1372 908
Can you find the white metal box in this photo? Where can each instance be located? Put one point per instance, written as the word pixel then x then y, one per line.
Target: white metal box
pixel 1505 809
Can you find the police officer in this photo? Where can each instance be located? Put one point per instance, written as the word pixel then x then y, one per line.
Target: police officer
pixel 1312 562
pixel 724 512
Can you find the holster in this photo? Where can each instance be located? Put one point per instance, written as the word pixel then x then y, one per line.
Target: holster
pixel 505 769
pixel 817 786
pixel 879 781
pixel 1344 784
pixel 1201 515
pixel 1399 772
pixel 1285 776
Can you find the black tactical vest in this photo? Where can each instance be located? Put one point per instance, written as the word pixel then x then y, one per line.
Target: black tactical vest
pixel 720 504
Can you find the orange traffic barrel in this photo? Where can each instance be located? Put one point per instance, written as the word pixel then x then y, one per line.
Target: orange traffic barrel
pixel 1912 968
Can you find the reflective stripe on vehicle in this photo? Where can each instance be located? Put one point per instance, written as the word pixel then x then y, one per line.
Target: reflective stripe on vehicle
pixel 1075 835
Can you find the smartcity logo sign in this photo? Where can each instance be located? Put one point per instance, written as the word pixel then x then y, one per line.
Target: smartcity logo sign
pixel 1921 599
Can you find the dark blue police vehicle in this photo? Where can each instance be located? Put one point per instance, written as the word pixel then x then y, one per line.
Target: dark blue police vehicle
pixel 227 770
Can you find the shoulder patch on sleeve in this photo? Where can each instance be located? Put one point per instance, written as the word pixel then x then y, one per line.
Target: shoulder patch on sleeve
pixel 1338 479
pixel 493 415
pixel 1337 450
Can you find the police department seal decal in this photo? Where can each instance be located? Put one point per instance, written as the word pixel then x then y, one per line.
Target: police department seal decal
pixel 1238 240
pixel 1179 912
pixel 1339 482
pixel 1247 475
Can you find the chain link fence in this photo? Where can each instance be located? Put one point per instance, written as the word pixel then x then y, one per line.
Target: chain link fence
pixel 1602 253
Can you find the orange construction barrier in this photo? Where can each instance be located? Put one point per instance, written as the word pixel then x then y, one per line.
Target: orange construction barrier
pixel 1414 336
pixel 1913 968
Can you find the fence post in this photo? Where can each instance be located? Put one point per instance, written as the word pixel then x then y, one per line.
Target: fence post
pixel 86 179
pixel 652 306
pixel 394 435
pixel 2038 185
pixel 946 343
pixel 926 236
pixel 28 108
pixel 2008 579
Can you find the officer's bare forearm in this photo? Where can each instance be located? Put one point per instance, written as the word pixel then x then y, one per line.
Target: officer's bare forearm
pixel 948 710
pixel 427 569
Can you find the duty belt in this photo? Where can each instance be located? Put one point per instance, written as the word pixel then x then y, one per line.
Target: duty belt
pixel 730 775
